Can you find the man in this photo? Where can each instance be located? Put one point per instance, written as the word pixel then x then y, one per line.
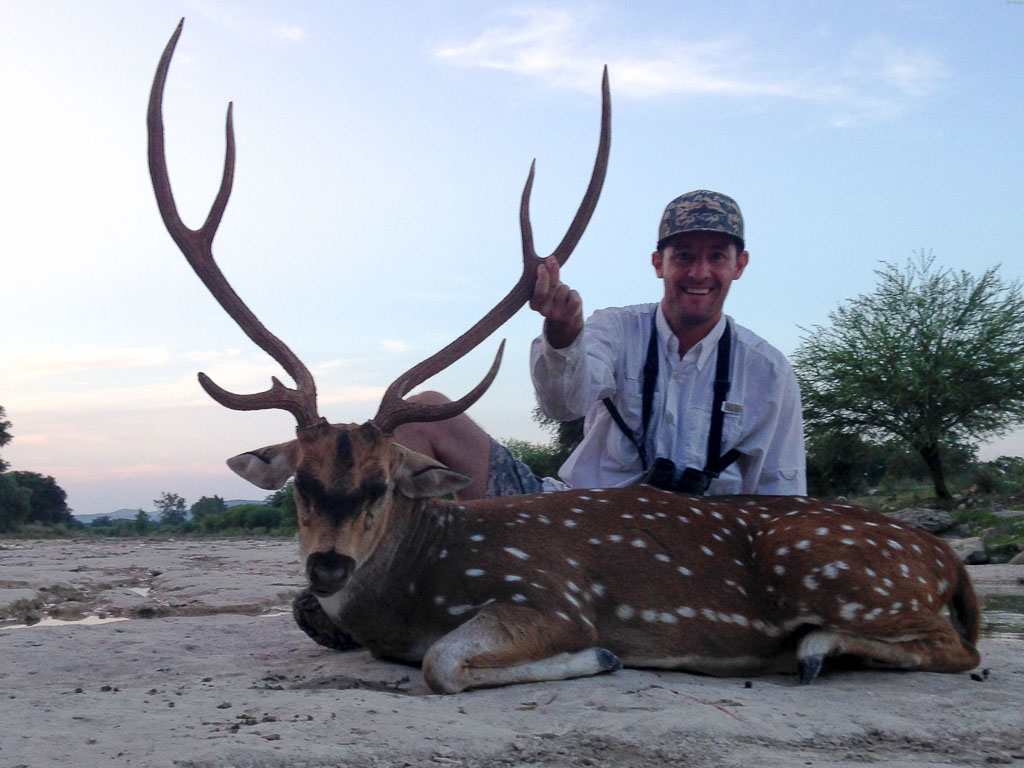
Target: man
pixel 745 438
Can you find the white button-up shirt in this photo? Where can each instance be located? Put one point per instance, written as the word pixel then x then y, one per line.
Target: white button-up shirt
pixel 762 415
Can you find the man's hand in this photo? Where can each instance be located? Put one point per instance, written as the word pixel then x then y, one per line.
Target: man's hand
pixel 561 306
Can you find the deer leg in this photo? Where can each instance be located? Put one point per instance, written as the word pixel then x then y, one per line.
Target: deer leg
pixel 314 621
pixel 504 645
pixel 936 649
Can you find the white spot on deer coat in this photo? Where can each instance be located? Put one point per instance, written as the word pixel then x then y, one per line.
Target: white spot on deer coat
pixel 474 572
pixel 624 612
pixel 849 610
pixel 517 553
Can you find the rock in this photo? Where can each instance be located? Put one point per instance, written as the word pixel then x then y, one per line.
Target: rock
pixel 1002 553
pixel 931 520
pixel 971 551
pixel 1017 559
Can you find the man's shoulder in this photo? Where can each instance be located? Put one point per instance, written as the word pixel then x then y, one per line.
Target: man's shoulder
pixel 758 346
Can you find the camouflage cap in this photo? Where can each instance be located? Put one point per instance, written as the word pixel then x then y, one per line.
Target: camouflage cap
pixel 701 211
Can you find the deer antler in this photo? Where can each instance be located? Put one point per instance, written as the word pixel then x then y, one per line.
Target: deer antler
pixel 394 410
pixel 197 245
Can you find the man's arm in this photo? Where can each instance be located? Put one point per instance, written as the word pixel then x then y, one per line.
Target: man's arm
pixel 785 467
pixel 572 367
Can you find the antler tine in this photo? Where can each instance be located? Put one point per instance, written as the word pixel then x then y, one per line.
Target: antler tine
pixel 197 246
pixel 394 410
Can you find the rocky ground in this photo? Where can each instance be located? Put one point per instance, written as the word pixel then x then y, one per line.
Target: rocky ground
pixel 206 668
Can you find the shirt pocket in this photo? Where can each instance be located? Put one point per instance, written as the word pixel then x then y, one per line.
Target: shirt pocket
pixel 732 430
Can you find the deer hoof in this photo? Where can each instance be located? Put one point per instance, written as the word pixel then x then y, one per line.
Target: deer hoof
pixel 809 667
pixel 607 661
pixel 314 622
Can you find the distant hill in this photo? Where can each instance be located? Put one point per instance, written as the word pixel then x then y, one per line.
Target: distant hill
pixel 129 514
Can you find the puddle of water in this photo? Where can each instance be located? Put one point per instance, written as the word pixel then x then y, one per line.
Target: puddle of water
pixel 48 622
pixel 1003 617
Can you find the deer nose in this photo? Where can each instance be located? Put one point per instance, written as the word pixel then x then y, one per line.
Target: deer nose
pixel 327 572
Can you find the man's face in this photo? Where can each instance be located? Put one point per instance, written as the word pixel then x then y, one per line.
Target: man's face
pixel 698 268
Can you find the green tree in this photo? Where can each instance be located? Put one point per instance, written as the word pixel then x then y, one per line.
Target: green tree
pixel 206 506
pixel 284 500
pixel 48 503
pixel 931 357
pixel 15 503
pixel 5 435
pixel 171 507
pixel 143 523
pixel 567 434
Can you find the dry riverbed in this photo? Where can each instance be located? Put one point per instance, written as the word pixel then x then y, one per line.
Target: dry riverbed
pixel 208 669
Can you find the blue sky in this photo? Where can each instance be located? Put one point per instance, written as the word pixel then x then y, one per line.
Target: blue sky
pixel 382 148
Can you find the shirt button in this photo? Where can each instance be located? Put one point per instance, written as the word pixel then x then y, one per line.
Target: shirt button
pixel 669 419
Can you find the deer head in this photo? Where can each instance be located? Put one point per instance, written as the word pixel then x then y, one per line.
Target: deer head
pixel 347 476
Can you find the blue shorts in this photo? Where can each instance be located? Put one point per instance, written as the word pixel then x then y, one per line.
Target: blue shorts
pixel 507 476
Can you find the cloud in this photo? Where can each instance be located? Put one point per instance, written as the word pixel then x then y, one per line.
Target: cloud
pixel 293 33
pixel 249 25
pixel 395 346
pixel 355 394
pixel 873 79
pixel 30 362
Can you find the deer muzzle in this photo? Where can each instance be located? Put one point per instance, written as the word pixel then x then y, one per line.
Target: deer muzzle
pixel 327 572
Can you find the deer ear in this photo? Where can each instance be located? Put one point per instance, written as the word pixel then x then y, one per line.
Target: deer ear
pixel 268 468
pixel 420 477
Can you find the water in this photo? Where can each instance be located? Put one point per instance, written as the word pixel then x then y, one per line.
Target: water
pixel 50 622
pixel 1003 617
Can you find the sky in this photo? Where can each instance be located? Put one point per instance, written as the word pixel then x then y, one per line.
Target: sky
pixel 382 149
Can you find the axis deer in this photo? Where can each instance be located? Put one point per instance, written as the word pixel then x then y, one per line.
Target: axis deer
pixel 561 585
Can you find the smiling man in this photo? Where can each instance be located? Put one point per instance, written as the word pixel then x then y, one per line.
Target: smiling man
pixel 675 393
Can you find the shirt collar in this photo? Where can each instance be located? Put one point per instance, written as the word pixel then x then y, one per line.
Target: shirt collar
pixel 701 351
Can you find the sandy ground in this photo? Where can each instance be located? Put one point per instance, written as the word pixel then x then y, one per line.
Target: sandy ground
pixel 210 670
